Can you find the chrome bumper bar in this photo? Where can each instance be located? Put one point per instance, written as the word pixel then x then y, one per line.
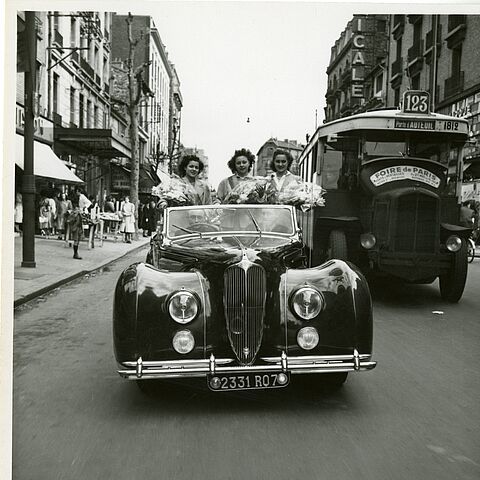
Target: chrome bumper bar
pixel 202 367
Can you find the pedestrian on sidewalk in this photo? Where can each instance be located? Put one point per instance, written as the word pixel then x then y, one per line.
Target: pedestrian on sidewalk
pixel 74 220
pixel 63 206
pixel 128 214
pixel 18 212
pixel 44 216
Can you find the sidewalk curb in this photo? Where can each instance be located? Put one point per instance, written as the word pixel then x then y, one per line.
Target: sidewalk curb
pixel 53 286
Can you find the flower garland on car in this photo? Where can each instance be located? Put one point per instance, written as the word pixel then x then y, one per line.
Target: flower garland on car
pixel 260 190
pixel 173 192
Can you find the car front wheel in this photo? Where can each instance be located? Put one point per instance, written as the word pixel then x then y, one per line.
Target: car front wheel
pixel 453 282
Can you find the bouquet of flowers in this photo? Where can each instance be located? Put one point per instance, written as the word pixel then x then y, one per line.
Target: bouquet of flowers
pixel 254 190
pixel 303 195
pixel 174 193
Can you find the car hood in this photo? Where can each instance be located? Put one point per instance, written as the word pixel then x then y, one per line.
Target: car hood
pixel 231 249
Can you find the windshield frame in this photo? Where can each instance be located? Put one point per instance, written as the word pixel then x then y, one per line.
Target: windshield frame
pixel 294 234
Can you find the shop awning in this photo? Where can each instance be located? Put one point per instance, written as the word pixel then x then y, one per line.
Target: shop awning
pixel 45 162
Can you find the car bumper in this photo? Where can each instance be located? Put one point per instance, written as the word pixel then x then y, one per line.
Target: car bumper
pixel 203 367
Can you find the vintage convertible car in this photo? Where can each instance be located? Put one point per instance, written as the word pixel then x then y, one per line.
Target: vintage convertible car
pixel 225 294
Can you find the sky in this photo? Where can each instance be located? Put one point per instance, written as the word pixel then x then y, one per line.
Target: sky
pixel 262 61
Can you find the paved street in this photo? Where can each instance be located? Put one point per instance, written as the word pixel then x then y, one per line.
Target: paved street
pixel 415 416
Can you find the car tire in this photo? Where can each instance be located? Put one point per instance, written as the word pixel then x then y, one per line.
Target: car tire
pixel 471 250
pixel 337 246
pixel 334 380
pixel 453 282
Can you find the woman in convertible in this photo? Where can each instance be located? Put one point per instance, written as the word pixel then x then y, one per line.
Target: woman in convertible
pixel 189 168
pixel 240 164
pixel 282 179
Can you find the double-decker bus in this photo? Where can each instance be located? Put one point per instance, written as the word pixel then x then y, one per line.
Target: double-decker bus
pixel 393 182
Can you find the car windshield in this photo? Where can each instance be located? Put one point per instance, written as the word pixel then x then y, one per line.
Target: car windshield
pixel 229 218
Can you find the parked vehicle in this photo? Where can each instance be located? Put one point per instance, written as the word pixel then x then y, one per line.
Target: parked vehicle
pixel 393 181
pixel 226 294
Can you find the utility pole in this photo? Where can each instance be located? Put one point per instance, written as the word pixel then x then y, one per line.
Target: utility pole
pixel 28 199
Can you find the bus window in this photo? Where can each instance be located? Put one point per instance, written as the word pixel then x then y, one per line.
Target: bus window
pixel 382 149
pixel 331 169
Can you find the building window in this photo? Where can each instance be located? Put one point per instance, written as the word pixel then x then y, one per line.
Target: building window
pixel 55 92
pixel 73 32
pixel 81 108
pixel 399 49
pixel 96 121
pixel 378 86
pixel 396 97
pixel 89 114
pixel 381 26
pixel 72 106
pixel 416 82
pixel 456 60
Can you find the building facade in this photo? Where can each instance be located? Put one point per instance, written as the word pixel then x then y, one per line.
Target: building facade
pixel 447 68
pixel 356 72
pixel 265 155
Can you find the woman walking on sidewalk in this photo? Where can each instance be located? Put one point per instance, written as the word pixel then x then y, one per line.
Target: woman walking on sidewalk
pixel 74 220
pixel 128 215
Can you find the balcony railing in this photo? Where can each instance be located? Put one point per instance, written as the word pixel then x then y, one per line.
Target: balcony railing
pixel 107 88
pixel 455 21
pixel 416 51
pixel 57 38
pixel 397 66
pixel 75 57
pixel 454 84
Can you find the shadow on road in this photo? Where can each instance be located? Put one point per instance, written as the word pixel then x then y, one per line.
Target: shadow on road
pixel 193 397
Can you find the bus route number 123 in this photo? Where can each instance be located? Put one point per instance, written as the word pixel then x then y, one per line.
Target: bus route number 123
pixel 416 101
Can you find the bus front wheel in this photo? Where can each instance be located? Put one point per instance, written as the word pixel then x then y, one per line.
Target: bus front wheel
pixel 453 282
pixel 337 245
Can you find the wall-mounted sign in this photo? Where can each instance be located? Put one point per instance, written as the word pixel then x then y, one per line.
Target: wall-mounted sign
pixel 405 172
pixel 43 128
pixel 358 61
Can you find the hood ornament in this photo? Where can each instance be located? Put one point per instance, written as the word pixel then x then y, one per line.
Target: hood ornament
pixel 246 351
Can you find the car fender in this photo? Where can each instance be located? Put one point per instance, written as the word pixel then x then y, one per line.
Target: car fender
pixel 141 322
pixel 345 322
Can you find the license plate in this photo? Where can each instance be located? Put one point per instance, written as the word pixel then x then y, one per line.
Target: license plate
pixel 248 381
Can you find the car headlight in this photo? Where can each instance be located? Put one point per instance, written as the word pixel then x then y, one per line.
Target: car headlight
pixel 183 342
pixel 367 240
pixel 183 306
pixel 307 302
pixel 453 243
pixel 307 338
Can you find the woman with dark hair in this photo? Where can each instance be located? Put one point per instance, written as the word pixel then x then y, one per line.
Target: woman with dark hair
pixel 240 164
pixel 281 178
pixel 189 168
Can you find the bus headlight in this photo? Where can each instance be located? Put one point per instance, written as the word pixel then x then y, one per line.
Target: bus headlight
pixel 453 243
pixel 307 338
pixel 183 342
pixel 367 240
pixel 307 302
pixel 183 306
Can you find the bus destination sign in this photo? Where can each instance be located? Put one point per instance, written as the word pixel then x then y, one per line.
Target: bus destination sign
pixel 414 124
pixel 416 101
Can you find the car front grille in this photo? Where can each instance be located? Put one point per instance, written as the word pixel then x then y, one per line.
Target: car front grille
pixel 417 223
pixel 244 304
